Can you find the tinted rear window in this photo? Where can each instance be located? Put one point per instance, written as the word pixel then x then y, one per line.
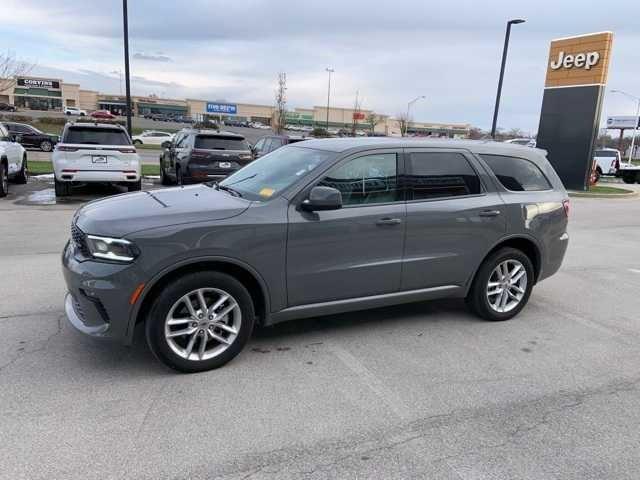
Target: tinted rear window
pixel 440 174
pixel 96 136
pixel 605 153
pixel 220 143
pixel 517 174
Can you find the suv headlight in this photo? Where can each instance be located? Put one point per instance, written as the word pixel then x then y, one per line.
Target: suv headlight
pixel 116 249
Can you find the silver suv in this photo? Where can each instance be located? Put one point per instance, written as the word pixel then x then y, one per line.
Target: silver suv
pixel 316 228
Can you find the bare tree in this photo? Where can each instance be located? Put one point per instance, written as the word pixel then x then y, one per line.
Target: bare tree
pixel 372 121
pixel 281 102
pixel 10 68
pixel 403 121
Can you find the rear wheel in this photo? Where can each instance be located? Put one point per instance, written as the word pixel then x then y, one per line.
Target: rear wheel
pixel 164 180
pixel 23 174
pixel 4 179
pixel 46 146
pixel 629 177
pixel 137 142
pixel 502 285
pixel 178 175
pixel 63 189
pixel 200 321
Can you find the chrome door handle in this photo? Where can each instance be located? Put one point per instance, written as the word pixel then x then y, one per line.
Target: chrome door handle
pixel 489 213
pixel 389 221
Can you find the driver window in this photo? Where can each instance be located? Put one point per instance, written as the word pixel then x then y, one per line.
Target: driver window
pixel 366 180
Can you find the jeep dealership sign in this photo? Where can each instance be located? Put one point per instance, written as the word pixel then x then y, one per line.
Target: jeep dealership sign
pixel 38 83
pixel 579 60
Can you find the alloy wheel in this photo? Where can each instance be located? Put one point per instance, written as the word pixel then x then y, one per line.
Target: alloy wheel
pixel 202 324
pixel 507 286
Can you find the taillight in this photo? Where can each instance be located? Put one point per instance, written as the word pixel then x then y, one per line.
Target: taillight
pixel 62 148
pixel 566 204
pixel 199 154
pixel 127 150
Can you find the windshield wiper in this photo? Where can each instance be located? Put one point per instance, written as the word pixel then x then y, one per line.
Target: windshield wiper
pixel 226 188
pixel 243 179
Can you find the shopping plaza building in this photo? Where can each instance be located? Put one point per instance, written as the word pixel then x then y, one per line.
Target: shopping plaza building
pixel 53 94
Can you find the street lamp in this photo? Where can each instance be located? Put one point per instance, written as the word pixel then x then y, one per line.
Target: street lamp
pixel 504 61
pixel 635 128
pixel 330 71
pixel 127 84
pixel 406 128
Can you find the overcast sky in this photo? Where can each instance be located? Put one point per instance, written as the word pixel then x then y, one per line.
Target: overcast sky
pixel 389 51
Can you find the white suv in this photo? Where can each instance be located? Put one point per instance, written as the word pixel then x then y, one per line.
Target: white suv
pixel 13 161
pixel 607 161
pixel 74 111
pixel 152 137
pixel 94 152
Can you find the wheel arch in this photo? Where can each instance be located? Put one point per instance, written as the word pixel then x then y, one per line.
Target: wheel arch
pixel 525 244
pixel 242 272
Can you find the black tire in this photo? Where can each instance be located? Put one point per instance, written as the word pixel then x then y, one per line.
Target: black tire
pixel 137 142
pixel 4 179
pixel 165 299
pixel 179 179
pixel 135 186
pixel 63 189
pixel 629 177
pixel 477 297
pixel 46 145
pixel 164 180
pixel 23 174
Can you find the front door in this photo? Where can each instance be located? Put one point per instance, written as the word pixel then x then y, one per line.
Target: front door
pixel 453 219
pixel 355 251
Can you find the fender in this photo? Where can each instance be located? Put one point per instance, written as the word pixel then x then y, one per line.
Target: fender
pixel 515 236
pixel 133 314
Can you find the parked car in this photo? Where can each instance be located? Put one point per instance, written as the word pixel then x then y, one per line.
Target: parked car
pixel 271 142
pixel 13 161
pixel 527 142
pixel 74 111
pixel 31 137
pixel 95 153
pixel 7 107
pixel 103 114
pixel 152 137
pixel 199 266
pixel 607 161
pixel 198 155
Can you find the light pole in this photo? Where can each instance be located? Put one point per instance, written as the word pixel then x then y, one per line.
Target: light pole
pixel 635 128
pixel 504 61
pixel 330 71
pixel 127 84
pixel 406 128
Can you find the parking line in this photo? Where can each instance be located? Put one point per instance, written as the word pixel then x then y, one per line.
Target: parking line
pixel 634 270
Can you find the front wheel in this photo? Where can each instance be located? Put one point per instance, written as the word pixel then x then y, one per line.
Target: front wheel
pixel 4 180
pixel 200 321
pixel 502 285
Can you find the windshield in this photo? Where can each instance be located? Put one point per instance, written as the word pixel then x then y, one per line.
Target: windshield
pixel 606 153
pixel 271 174
pixel 96 136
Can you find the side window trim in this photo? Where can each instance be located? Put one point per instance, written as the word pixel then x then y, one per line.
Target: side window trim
pixel 471 160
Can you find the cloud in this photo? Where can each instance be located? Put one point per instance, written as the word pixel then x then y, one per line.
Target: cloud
pixel 152 58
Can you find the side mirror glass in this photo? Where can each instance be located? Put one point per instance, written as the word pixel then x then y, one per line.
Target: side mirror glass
pixel 323 198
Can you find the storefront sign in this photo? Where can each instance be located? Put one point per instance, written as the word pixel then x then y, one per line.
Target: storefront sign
pixel 358 115
pixel 224 108
pixel 623 122
pixel 38 83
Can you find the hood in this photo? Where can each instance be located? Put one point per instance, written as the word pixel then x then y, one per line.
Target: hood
pixel 123 214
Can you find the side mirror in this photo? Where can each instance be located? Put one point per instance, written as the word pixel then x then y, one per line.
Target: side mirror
pixel 323 198
pixel 166 144
pixel 16 138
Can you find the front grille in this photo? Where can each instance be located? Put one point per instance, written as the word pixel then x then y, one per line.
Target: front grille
pixel 79 239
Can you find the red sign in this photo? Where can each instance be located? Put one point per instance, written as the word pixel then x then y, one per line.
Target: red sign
pixel 358 116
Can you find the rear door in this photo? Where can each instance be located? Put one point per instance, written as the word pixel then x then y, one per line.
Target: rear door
pixel 454 216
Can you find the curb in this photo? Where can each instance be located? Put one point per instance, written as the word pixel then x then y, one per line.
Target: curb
pixel 602 195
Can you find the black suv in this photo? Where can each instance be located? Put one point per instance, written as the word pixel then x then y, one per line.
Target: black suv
pixel 272 142
pixel 201 155
pixel 31 137
pixel 7 107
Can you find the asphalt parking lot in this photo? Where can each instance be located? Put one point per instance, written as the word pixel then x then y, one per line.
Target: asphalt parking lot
pixel 416 391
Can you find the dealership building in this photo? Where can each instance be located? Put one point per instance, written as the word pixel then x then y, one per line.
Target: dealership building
pixel 37 93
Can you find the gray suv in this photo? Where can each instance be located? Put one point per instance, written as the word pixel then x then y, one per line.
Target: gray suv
pixel 315 228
